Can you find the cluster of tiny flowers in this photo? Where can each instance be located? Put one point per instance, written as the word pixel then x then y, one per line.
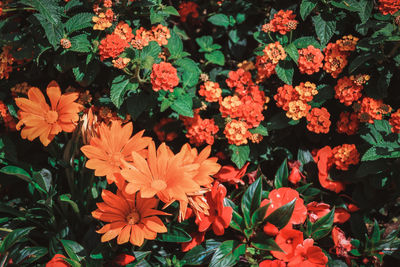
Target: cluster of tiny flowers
pixel 143 37
pixel 369 109
pixel 306 91
pixel 283 22
pixel 201 131
pixel 275 52
pixel 104 16
pixel 239 80
pixel 389 6
pixel 347 91
pixel 65 43
pixel 318 120
pixel 20 88
pixel 236 132
pixel 310 60
pixel 188 9
pixel 344 156
pixel 6 61
pixel 121 62
pixel 164 77
pixel 211 91
pixel 6 118
pixel 297 109
pixel 348 123
pixel 394 121
pixel 265 68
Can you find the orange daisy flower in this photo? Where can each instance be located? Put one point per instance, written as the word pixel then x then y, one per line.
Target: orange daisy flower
pixel 163 174
pixel 41 120
pixel 113 145
pixel 130 217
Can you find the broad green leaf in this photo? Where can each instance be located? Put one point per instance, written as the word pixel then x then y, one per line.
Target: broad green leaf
pixel 259 130
pixel 190 72
pixel 323 226
pixel 72 248
pixel 205 42
pixel 324 27
pixel 237 221
pixel 16 171
pixel 137 103
pixel 325 92
pixel 281 216
pixel 171 10
pixel 86 74
pixel 259 215
pixel 265 242
pixel 292 51
pixel 219 20
pixel 78 22
pixel 281 175
pixel 240 154
pixel 360 61
pixel 306 7
pixel 305 41
pixel 119 87
pixel 30 254
pixel 228 254
pixel 54 32
pixel 80 43
pixel 199 254
pixel 216 57
pixel 49 9
pixel 174 234
pixel 365 10
pixel 251 200
pixel 284 71
pixel 175 46
pixel 14 237
pixel 67 198
pixel 183 105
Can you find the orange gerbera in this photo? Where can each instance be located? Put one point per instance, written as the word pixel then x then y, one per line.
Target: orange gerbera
pixel 130 217
pixel 113 144
pixel 41 120
pixel 163 174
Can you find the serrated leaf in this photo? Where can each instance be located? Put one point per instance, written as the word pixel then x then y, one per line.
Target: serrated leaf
pixel 175 46
pixel 183 105
pixel 80 43
pixel 251 200
pixel 54 32
pixel 259 130
pixel 78 22
pixel 324 27
pixel 49 9
pixel 305 41
pixel 306 7
pixel 219 20
pixel 190 72
pixel 119 86
pixel 205 42
pixel 240 154
pixel 216 57
pixel 292 51
pixel 284 71
pixel 228 254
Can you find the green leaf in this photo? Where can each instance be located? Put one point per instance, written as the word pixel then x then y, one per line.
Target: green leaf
pixel 86 74
pixel 304 156
pixel 175 46
pixel 324 27
pixel 292 51
pixel 205 42
pixel 174 234
pixel 137 103
pixel 49 9
pixel 228 254
pixel 240 155
pixel 251 200
pixel 67 198
pixel 183 105
pixel 265 242
pixel 376 233
pixel 323 226
pixel 72 248
pixel 216 57
pixel 305 41
pixel 360 61
pixel 259 130
pixel 325 92
pixel 284 71
pixel 78 22
pixel 80 43
pixel 199 255
pixel 281 176
pixel 54 32
pixel 281 216
pixel 14 237
pixel 43 179
pixel 171 11
pixel 237 221
pixel 365 10
pixel 190 72
pixel 16 171
pixel 219 20
pixel 30 255
pixel 259 215
pixel 306 7
pixel 119 86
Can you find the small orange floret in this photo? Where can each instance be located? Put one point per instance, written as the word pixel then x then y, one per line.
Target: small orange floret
pixel 236 132
pixel 164 77
pixel 211 91
pixel 318 120
pixel 345 155
pixel 310 60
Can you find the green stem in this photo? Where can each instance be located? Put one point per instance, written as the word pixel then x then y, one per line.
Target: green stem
pixel 18 9
pixel 6 230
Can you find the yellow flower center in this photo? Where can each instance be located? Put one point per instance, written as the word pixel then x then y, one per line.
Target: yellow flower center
pixel 133 217
pixel 158 185
pixel 51 116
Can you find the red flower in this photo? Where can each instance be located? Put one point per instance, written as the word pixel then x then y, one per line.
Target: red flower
pixel 123 259
pixel 394 121
pixel 317 210
pixel 287 240
pixel 345 155
pixel 232 175
pixel 295 174
pixel 347 91
pixel 188 8
pixel 270 229
pixel 324 163
pixel 112 46
pixel 341 215
pixel 164 76
pixel 219 216
pixel 348 123
pixel 310 60
pixel 197 239
pixel 342 245
pixel 307 254
pixel 389 6
pixel 57 261
pixel 282 196
pixel 274 263
pixel 318 120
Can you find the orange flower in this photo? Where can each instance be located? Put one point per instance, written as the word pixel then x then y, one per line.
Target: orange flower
pixel 306 91
pixel 283 22
pixel 275 52
pixel 211 91
pixel 240 80
pixel 270 263
pixel 282 196
pixel 130 217
pixel 161 34
pixel 65 43
pixel 287 239
pixel 41 120
pixel 142 38
pixel 306 254
pixel 285 94
pixel 389 6
pixel 347 91
pixel 163 174
pixel 230 106
pixel 345 155
pixel 6 61
pixel 57 261
pixel 164 76
pixel 124 31
pixel 394 121
pixel 318 120
pixel 335 60
pixel 112 46
pixel 369 109
pixel 113 145
pixel 265 68
pixel 202 131
pixel 348 123
pixel 297 109
pixel 310 60
pixel 347 43
pixel 236 132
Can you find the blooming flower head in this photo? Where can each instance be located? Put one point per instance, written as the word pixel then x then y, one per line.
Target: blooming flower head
pixel 111 147
pixel 188 9
pixel 130 218
pixel 310 60
pixel 202 131
pixel 281 196
pixel 389 6
pixel 142 38
pixel 275 52
pixel 347 91
pixel 348 123
pixel 306 254
pixel 285 94
pixel 232 175
pixel 236 132
pixel 283 22
pixel 102 21
pixel 360 79
pixel 6 61
pixel 230 106
pixel 369 109
pixel 44 121
pixel 318 120
pixel 265 68
pixel 394 121
pixel 306 91
pixel 297 109
pixel 57 261
pixel 219 215
pixel 272 263
pixel 164 77
pixel 287 239
pixel 211 91
pixel 345 155
pixel 347 43
pixel 65 43
pixel 124 31
pixel 112 46
pixel 161 34
pixel 240 80
pixel 335 59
